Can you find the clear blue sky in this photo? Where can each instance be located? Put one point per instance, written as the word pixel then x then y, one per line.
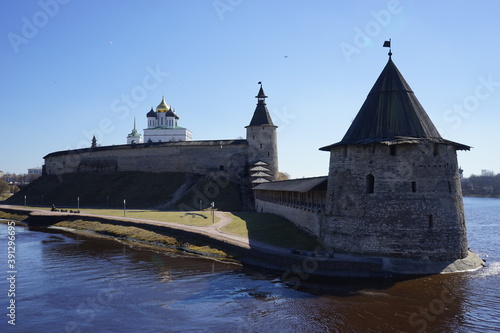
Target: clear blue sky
pixel 73 68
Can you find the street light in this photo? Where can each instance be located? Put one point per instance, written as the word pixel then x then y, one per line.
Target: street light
pixel 24 201
pixel 213 207
pixel 78 203
pixel 124 206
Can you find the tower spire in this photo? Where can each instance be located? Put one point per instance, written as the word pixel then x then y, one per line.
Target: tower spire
pixel 261 96
pixel 261 114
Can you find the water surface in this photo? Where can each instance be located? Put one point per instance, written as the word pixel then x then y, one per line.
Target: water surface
pixel 72 283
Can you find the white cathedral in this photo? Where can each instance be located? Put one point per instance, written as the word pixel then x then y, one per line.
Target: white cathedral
pixel 162 127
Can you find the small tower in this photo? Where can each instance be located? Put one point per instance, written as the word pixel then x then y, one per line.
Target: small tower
pixel 262 143
pixel 393 184
pixel 134 136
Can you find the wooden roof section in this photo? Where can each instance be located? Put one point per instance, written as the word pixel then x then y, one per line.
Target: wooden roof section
pixel 392 114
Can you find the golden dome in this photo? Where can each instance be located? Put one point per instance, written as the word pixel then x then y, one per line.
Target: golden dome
pixel 163 106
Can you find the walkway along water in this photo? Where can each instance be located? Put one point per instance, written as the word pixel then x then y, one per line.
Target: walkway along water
pixel 296 265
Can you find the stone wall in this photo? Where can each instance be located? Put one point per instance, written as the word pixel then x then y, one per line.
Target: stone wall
pixel 198 157
pixel 403 201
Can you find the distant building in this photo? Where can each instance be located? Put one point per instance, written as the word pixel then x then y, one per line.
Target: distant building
pixel 134 136
pixel 35 171
pixel 1 174
pixel 162 126
pixel 33 174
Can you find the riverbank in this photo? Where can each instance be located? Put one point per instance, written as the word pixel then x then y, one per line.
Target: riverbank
pixel 212 241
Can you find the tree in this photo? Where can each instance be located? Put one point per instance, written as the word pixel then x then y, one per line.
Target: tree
pixel 487 173
pixel 283 176
pixel 4 189
pixel 485 185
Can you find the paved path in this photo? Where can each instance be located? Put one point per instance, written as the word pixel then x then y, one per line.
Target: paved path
pixel 213 231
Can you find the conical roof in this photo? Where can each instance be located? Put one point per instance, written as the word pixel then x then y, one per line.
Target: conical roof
pixel 391 113
pixel 261 114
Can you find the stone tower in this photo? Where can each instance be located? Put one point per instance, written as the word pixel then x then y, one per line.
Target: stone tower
pixel 262 143
pixel 393 184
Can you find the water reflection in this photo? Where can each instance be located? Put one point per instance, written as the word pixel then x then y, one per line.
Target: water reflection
pixel 70 283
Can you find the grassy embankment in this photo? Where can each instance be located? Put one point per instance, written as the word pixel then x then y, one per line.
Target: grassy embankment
pixel 155 238
pixel 271 229
pixel 166 190
pixel 10 216
pixel 267 228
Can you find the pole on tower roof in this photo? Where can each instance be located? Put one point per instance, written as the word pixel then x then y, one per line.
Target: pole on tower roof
pixel 387 43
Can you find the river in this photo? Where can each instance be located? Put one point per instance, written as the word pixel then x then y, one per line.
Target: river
pixel 73 283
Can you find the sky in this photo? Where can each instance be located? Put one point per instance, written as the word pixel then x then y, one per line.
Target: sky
pixel 72 69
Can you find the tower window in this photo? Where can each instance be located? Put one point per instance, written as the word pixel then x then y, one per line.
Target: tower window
pixel 436 149
pixel 414 187
pixel 221 167
pixel 431 221
pixel 370 184
pixel 261 145
pixel 449 186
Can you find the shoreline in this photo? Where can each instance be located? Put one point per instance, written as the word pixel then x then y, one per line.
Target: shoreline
pixel 295 265
pixel 146 245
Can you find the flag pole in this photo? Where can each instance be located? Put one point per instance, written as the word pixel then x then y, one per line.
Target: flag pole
pixel 387 43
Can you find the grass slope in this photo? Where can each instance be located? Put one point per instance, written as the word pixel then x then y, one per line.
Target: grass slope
pixel 271 229
pixel 139 189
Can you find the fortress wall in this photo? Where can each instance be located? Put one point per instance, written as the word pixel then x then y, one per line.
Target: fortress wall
pixel 185 157
pixel 305 219
pixel 415 210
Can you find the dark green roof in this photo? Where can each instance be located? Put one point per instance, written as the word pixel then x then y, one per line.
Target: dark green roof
pixel 392 113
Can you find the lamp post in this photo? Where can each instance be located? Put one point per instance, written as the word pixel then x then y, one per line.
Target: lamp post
pixel 124 206
pixel 24 201
pixel 213 207
pixel 78 203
